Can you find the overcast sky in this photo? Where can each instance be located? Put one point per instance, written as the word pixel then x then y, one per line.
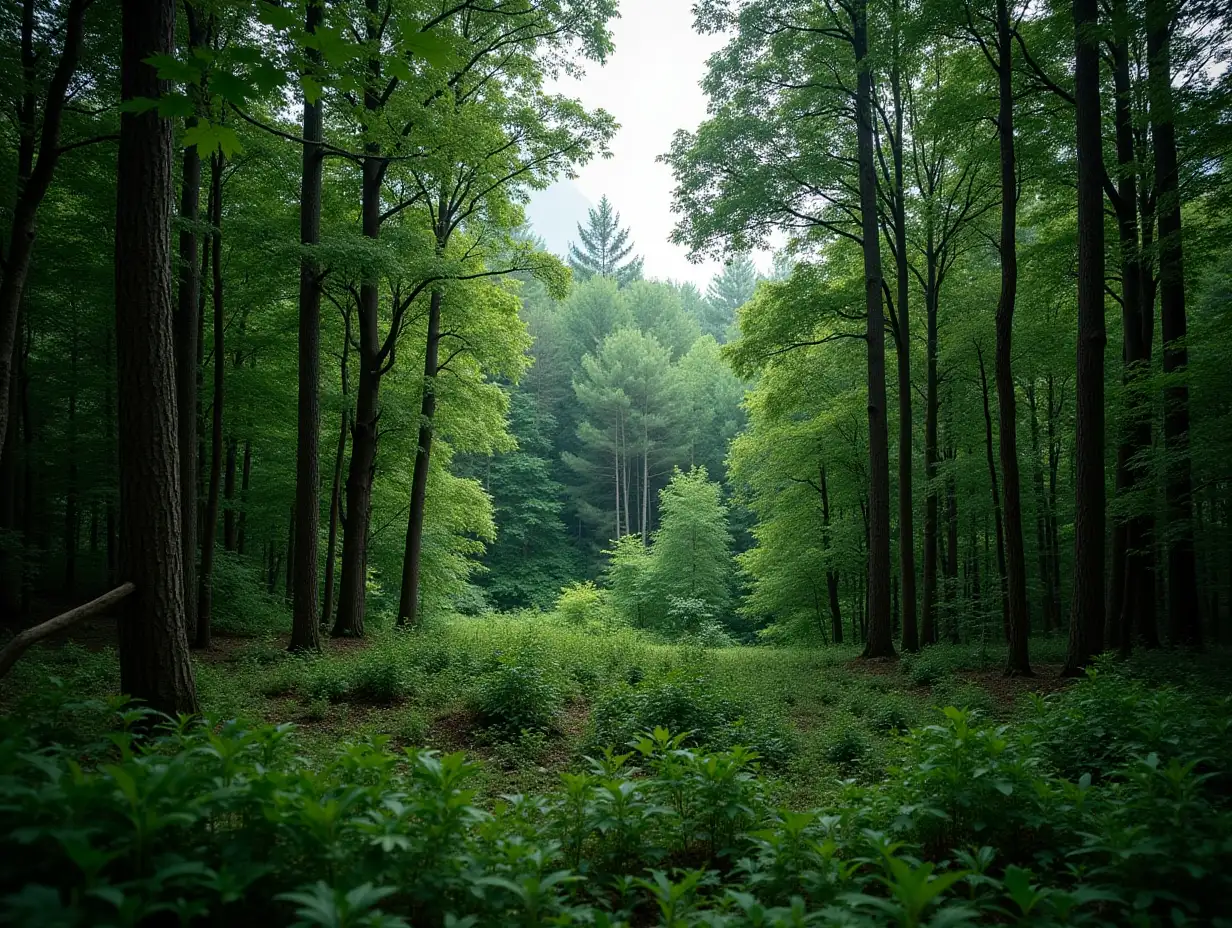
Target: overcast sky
pixel 650 86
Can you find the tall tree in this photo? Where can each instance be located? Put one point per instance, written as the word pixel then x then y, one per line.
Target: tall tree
pixel 154 662
pixel 1086 630
pixel 1183 605
pixel 305 634
pixel 730 289
pixel 604 247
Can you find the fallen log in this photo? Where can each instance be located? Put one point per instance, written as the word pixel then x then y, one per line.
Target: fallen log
pixel 18 646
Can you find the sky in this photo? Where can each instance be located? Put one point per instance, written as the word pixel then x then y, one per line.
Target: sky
pixel 650 85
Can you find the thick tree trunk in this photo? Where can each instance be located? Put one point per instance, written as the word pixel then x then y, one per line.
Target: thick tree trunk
pixel 209 530
pixel 34 177
pixel 305 627
pixel 1184 623
pixel 154 661
pixel 1086 627
pixel 1018 662
pixel 408 601
pixel 880 634
pixel 996 501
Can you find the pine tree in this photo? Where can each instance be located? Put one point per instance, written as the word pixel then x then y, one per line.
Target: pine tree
pixel 604 246
pixel 728 291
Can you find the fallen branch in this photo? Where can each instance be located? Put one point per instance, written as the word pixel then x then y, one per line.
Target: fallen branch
pixel 18 646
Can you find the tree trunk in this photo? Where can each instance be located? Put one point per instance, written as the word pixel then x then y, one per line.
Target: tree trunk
pixel 928 630
pixel 186 347
pixel 33 176
pixel 245 478
pixel 1184 622
pixel 1017 662
pixel 408 601
pixel 228 494
pixel 71 516
pixel 951 549
pixel 210 528
pixel 305 626
pixel 335 495
pixel 154 661
pixel 1086 627
pixel 996 500
pixel 353 581
pixel 289 591
pixel 836 616
pixel 880 635
pixel 1051 620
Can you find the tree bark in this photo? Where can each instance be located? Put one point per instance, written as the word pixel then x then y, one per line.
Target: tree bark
pixel 996 500
pixel 1018 662
pixel 880 635
pixel 1086 627
pixel 1184 622
pixel 305 627
pixel 33 176
pixel 335 496
pixel 408 601
pixel 928 630
pixel 154 661
pixel 209 531
pixel 1051 619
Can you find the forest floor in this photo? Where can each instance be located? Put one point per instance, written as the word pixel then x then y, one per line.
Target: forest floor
pixel 533 697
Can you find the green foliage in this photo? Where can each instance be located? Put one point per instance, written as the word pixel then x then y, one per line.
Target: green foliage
pixel 604 248
pixel 224 821
pixel 517 696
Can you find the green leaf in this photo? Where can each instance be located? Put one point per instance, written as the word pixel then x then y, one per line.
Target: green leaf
pixel 139 105
pixel 277 17
pixel 312 89
pixel 430 47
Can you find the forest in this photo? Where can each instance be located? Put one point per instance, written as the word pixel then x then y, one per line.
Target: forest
pixel 365 562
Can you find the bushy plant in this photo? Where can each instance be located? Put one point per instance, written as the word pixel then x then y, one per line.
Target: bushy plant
pixel 517 696
pixel 581 605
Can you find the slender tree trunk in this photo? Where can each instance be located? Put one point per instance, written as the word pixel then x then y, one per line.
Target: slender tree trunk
pixel 71 516
pixel 1184 621
pixel 1051 620
pixel 928 630
pixel 951 545
pixel 1086 627
pixel 245 479
pixel 335 496
pixel 880 641
pixel 186 347
pixel 109 426
pixel 996 500
pixel 289 578
pixel 205 603
pixel 408 601
pixel 1018 662
pixel 305 626
pixel 31 556
pixel 33 176
pixel 230 465
pixel 836 616
pixel 154 661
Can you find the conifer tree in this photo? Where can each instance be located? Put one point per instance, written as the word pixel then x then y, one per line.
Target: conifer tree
pixel 604 248
pixel 728 291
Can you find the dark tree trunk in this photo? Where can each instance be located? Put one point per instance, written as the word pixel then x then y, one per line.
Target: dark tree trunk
pixel 1055 408
pixel 836 616
pixel 245 479
pixel 951 548
pixel 154 661
pixel 1184 622
pixel 880 635
pixel 1018 662
pixel 996 500
pixel 289 578
pixel 228 494
pixel 210 528
pixel 305 627
pixel 408 601
pixel 1051 620
pixel 71 516
pixel 186 348
pixel 335 496
pixel 1086 627
pixel 33 176
pixel 928 630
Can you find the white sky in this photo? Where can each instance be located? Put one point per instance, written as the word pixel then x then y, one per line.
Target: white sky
pixel 650 86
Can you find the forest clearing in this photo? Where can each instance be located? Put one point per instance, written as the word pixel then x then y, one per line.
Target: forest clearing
pixel 456 473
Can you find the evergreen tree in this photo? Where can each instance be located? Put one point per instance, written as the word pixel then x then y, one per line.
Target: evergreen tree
pixel 728 291
pixel 604 246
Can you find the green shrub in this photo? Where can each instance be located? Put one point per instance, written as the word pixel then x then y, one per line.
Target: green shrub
pixel 581 604
pixel 515 697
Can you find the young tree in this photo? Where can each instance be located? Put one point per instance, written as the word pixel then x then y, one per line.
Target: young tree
pixel 604 248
